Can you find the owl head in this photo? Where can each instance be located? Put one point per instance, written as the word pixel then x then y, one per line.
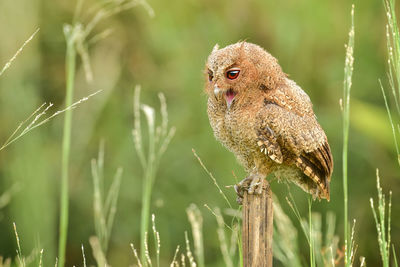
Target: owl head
pixel 240 70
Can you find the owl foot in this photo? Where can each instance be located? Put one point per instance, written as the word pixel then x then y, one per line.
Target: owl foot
pixel 252 184
pixel 241 187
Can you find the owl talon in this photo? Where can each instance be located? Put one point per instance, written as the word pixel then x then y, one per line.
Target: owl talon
pixel 252 184
pixel 241 187
pixel 255 186
pixel 239 192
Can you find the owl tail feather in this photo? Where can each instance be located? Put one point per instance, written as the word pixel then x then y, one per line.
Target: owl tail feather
pixel 317 165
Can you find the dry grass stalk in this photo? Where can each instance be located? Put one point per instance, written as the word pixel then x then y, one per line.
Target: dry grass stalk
pixel 136 256
pixel 36 122
pixel 196 221
pixel 97 251
pixel 83 256
pixel 174 260
pixel 8 64
pixel 189 252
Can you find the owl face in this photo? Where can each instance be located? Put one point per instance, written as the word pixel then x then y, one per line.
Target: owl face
pixel 228 74
pixel 234 73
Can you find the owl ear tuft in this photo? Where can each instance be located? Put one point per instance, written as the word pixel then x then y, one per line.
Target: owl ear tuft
pixel 216 47
pixel 242 48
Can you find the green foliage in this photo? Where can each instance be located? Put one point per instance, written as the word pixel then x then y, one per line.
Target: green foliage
pixel 285 246
pixel 323 246
pixel 77 40
pixel 383 223
pixel 228 248
pixel 196 221
pixel 104 206
pixel 345 106
pixel 158 140
pixel 393 50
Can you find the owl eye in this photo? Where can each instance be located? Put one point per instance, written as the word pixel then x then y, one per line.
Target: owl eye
pixel 232 74
pixel 210 75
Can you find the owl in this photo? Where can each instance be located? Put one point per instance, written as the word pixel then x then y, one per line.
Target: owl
pixel 266 120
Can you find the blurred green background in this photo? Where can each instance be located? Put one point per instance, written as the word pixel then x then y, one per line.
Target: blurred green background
pixel 167 54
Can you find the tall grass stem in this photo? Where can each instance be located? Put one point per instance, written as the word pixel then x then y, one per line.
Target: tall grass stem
pixel 345 106
pixel 311 234
pixel 382 222
pixel 66 146
pixel 158 141
pixel 395 257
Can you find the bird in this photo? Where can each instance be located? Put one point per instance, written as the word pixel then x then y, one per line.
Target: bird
pixel 266 120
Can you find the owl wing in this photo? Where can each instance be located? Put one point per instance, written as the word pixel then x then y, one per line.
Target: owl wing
pixel 285 136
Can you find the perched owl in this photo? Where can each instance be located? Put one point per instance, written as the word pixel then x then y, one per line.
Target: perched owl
pixel 266 120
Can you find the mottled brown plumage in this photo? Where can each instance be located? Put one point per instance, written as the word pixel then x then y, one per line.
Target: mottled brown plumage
pixel 266 119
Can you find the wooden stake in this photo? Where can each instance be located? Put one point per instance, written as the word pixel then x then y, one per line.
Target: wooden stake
pixel 257 228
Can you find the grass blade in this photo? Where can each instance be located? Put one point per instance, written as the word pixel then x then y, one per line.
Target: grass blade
pixel 196 221
pixel 345 105
pixel 66 146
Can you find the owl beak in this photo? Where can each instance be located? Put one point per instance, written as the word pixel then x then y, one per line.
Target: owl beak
pixel 228 94
pixel 217 91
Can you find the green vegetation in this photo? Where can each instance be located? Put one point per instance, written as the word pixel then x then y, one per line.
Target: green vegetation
pixel 393 51
pixel 104 207
pixel 345 107
pixel 164 203
pixel 158 140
